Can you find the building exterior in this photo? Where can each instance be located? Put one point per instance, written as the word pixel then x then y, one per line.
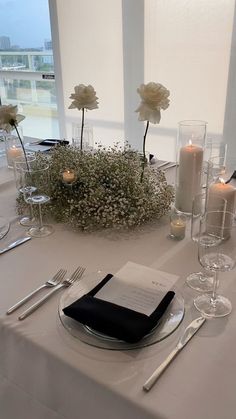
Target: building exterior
pixel 5 43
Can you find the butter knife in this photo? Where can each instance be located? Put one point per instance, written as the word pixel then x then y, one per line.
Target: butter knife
pixel 189 332
pixel 14 244
pixel 163 164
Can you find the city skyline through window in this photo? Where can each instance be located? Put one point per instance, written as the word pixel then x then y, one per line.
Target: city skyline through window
pixel 27 66
pixel 26 24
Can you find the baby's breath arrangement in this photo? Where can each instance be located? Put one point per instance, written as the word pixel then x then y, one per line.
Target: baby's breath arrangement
pixel 107 192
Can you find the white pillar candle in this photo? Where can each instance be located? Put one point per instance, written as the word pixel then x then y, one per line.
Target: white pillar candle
pixel 68 176
pixel 12 153
pixel 217 191
pixel 220 190
pixel 189 176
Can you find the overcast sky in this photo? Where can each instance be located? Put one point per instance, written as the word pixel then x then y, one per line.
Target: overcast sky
pixel 26 22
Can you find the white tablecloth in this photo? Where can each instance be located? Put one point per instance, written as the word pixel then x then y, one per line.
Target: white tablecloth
pixel 45 373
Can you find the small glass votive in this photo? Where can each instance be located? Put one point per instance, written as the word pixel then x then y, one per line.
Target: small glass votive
pixel 177 226
pixel 68 176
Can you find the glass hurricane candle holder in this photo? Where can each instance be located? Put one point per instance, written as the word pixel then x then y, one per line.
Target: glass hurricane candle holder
pixel 13 146
pixel 189 170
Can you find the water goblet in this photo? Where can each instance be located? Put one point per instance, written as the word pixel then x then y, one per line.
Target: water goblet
pixel 215 148
pixel 215 153
pixel 36 192
pixel 216 253
pixel 19 164
pixel 218 167
pixel 202 281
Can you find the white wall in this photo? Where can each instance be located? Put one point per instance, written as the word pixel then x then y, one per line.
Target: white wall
pixel 186 47
pixel 90 37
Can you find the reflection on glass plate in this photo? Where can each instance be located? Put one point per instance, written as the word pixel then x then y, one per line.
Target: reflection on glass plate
pixel 168 324
pixel 4 227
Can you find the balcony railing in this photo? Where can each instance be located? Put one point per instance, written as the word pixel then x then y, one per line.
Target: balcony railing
pixel 27 79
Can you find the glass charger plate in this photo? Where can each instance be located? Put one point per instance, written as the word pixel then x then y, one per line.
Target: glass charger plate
pixel 168 324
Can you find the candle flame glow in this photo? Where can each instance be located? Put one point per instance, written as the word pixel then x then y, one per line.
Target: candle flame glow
pixel 190 142
pixel 221 180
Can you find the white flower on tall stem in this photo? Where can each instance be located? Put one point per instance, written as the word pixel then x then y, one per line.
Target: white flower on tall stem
pixel 9 120
pixel 154 97
pixel 83 98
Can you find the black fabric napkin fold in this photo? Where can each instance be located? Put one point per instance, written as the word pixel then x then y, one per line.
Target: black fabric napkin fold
pixel 114 320
pixel 233 176
pixel 52 142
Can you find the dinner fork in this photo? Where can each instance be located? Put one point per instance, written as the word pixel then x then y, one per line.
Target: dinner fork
pixel 49 283
pixel 77 274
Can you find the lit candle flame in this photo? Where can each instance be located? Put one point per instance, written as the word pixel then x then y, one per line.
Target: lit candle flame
pixel 190 142
pixel 221 180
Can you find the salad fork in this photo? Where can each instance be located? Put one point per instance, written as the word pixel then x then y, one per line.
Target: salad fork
pixel 65 283
pixel 55 280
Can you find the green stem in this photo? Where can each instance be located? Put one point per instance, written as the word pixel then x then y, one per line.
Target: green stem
pixel 22 145
pixel 144 151
pixel 82 130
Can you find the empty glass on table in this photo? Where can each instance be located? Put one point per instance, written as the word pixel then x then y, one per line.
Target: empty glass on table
pixel 202 281
pixel 216 253
pixel 20 165
pixel 37 192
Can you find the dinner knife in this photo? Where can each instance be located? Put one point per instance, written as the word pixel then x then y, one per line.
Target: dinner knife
pixel 163 164
pixel 14 244
pixel 189 332
pixel 169 167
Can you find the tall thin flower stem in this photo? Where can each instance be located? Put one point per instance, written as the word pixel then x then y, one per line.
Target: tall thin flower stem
pixel 82 130
pixel 144 151
pixel 22 145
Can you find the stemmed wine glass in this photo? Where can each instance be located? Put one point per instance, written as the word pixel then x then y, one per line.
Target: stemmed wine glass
pixel 216 253
pixel 202 281
pixel 20 165
pixel 36 192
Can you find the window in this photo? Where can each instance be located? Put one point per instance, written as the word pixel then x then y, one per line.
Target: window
pixel 27 65
pixel 117 45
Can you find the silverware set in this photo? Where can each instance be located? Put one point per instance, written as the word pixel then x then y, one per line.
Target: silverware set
pixel 57 282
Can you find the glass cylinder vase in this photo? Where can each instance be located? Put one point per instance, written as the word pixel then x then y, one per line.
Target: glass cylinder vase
pixel 13 146
pixel 87 139
pixel 189 157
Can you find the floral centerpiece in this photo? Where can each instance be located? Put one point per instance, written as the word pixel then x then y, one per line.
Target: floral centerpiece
pixel 154 97
pixel 84 98
pixel 103 188
pixel 107 192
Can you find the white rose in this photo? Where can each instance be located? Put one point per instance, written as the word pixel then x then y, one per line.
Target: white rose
pixel 9 117
pixel 154 97
pixel 84 97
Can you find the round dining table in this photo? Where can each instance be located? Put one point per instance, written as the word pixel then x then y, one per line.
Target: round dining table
pixel 47 373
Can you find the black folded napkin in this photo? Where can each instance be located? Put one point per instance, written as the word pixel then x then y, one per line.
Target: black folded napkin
pixel 233 176
pixel 114 320
pixel 52 142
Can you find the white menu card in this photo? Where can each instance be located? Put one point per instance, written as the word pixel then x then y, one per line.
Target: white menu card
pixel 137 287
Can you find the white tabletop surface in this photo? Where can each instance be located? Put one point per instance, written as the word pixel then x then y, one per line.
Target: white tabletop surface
pixel 45 373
